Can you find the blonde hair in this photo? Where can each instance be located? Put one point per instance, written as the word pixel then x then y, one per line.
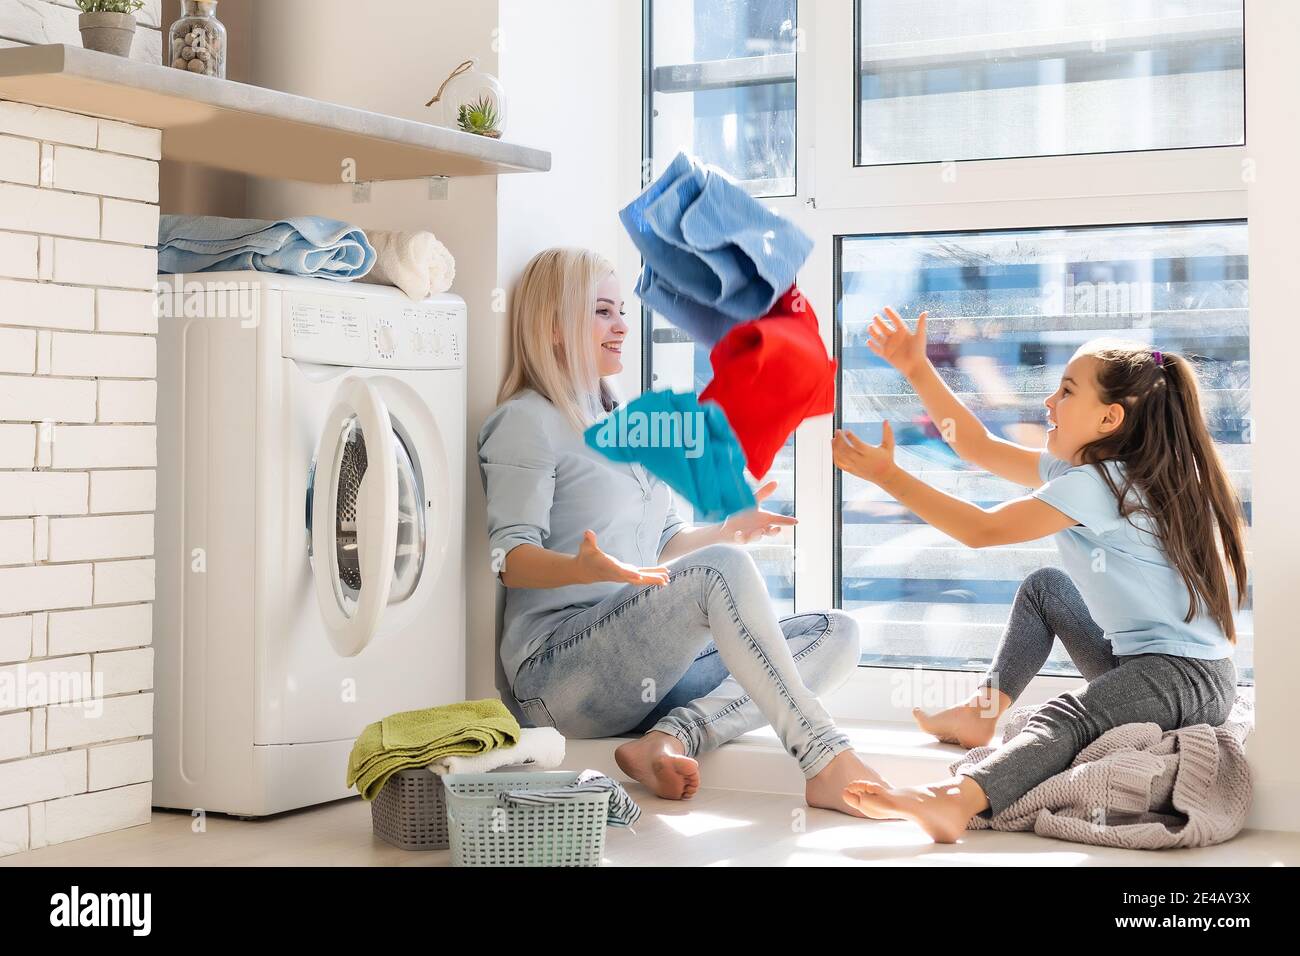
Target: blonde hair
pixel 551 314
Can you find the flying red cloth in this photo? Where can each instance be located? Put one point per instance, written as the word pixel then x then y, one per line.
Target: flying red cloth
pixel 771 374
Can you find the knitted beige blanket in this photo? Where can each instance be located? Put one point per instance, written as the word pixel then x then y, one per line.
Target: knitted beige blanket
pixel 1137 787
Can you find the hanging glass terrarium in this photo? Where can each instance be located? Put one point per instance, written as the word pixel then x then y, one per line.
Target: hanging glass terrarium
pixel 473 101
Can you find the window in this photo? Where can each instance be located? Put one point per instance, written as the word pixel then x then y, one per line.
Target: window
pixel 722 87
pixel 1007 310
pixel 1129 113
pixel 990 79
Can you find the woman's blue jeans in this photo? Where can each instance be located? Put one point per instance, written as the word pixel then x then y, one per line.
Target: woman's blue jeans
pixel 703 658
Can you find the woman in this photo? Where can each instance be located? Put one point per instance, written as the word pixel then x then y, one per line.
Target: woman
pixel 620 618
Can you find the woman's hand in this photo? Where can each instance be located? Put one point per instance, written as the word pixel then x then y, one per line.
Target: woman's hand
pixel 756 523
pixel 875 463
pixel 595 565
pixel 896 345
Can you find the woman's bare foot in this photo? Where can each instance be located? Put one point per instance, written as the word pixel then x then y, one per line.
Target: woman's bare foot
pixel 942 810
pixel 826 790
pixel 658 761
pixel 970 724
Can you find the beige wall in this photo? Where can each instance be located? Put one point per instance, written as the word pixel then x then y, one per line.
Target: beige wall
pixel 185 189
pixel 563 70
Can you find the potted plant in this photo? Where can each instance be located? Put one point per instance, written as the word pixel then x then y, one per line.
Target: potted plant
pixel 108 25
pixel 480 117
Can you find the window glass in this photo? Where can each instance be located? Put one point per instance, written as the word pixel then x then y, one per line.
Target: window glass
pixel 1007 310
pixel 723 88
pixel 989 79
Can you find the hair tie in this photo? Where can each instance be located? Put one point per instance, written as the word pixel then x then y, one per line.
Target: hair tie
pixel 1159 358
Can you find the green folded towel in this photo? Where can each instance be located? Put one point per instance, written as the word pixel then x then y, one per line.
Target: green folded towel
pixel 416 738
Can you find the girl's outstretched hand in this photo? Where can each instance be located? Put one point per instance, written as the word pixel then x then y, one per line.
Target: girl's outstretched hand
pixel 873 462
pixel 595 565
pixel 893 342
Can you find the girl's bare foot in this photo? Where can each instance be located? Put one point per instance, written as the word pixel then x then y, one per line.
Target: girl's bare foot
pixel 971 724
pixel 826 790
pixel 659 761
pixel 942 810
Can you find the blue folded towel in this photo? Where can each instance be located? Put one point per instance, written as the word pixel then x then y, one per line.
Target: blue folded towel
pixel 714 255
pixel 302 246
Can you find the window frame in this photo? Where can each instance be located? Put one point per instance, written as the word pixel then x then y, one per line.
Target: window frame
pixel 857 115
pixel 836 199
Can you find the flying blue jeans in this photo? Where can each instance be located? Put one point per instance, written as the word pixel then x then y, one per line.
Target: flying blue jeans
pixel 709 639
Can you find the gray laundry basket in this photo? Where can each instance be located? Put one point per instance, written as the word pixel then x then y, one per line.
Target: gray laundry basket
pixel 484 833
pixel 411 811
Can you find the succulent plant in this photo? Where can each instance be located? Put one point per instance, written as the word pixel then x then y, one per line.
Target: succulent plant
pixel 110 6
pixel 480 117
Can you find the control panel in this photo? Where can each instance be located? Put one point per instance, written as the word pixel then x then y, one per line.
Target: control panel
pixel 379 331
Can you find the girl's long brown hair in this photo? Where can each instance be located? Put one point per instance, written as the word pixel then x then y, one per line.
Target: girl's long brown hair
pixel 1170 459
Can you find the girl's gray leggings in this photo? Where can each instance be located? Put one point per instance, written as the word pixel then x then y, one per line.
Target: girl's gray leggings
pixel 1144 688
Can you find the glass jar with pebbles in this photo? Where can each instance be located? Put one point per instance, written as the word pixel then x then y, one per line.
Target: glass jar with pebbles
pixel 197 41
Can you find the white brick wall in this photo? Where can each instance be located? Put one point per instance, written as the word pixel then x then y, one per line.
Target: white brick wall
pixel 44 210
pixel 115 492
pixel 15 639
pixel 74 725
pixel 111 536
pixel 120 311
pixel 17 445
pixel 124 582
pixel 18 256
pixel 100 629
pixel 119 765
pixel 105 446
pixel 132 401
pixel 78 397
pixel 20 160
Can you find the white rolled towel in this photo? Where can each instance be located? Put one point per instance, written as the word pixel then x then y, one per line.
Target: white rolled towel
pixel 539 748
pixel 415 262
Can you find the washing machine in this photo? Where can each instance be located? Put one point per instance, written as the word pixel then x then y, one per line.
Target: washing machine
pixel 310 532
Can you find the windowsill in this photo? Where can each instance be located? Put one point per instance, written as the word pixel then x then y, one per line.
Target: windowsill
pixel 758 763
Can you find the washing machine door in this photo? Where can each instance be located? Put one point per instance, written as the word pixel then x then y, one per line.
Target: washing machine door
pixel 354 505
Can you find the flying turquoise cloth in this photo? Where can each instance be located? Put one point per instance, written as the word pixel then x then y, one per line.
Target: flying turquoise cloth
pixel 690 446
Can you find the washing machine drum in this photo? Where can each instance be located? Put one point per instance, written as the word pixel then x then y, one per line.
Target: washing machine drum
pixel 365 517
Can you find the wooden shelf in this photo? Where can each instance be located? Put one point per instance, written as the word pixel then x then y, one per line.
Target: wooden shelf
pixel 250 129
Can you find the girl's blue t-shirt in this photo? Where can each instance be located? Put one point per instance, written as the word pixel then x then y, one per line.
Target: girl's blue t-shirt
pixel 1134 594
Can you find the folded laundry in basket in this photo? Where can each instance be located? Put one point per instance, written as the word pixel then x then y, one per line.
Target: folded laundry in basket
pixel 302 246
pixel 415 262
pixel 539 748
pixel 417 738
pixel 771 374
pixel 688 445
pixel 623 810
pixel 714 255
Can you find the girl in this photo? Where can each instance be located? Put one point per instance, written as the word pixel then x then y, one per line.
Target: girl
pixel 654 628
pixel 1145 519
